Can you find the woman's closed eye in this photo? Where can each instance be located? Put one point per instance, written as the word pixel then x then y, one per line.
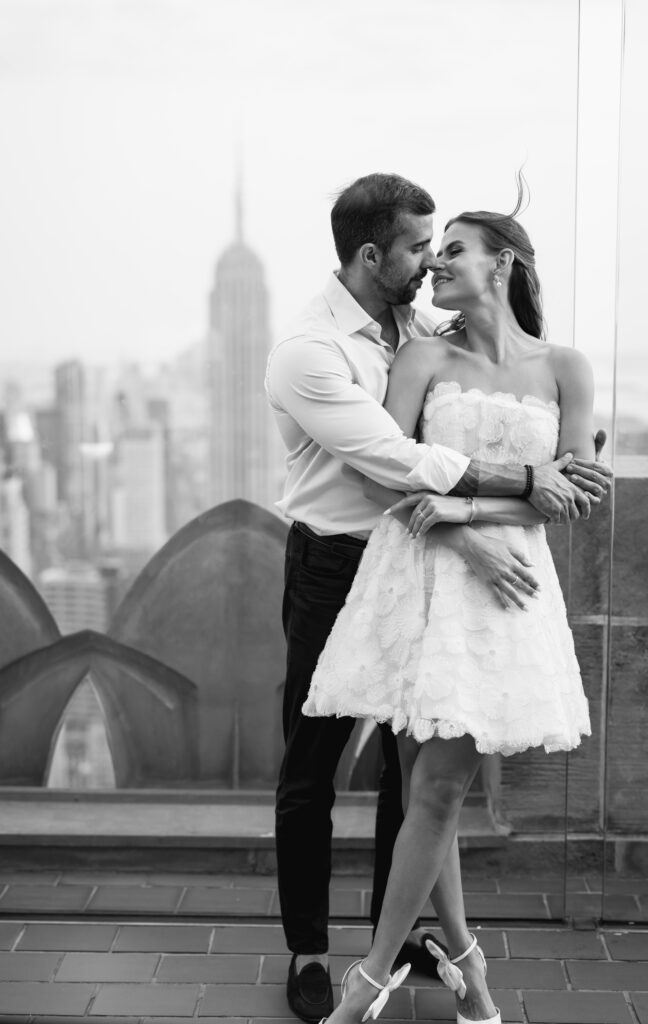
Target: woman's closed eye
pixel 453 250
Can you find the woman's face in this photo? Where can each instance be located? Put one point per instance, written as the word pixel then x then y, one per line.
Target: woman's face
pixel 463 273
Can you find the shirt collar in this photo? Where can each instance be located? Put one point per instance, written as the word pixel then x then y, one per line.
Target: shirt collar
pixel 349 315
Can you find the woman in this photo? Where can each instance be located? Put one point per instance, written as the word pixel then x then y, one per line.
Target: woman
pixel 422 642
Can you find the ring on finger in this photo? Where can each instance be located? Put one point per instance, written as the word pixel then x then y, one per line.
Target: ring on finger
pixel 514 581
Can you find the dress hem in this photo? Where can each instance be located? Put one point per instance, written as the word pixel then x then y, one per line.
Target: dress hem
pixel 424 729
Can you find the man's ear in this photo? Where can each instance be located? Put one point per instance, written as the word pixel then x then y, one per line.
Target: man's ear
pixel 369 255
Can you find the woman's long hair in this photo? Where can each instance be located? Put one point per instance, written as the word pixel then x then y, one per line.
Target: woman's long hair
pixel 502 231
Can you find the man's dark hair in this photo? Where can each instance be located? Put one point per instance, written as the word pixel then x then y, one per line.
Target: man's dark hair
pixel 369 210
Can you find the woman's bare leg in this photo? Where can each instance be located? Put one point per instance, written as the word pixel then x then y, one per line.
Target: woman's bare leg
pixel 447 897
pixel 441 774
pixel 447 892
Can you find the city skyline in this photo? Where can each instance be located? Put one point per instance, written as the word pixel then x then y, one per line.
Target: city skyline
pixel 99 473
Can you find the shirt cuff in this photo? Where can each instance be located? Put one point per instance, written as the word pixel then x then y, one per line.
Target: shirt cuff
pixel 439 470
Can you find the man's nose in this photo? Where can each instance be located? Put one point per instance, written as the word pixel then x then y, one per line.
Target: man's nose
pixel 431 262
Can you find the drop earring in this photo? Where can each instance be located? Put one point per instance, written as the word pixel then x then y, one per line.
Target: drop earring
pixel 497 280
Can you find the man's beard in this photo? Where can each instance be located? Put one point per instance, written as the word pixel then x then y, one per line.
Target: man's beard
pixel 397 293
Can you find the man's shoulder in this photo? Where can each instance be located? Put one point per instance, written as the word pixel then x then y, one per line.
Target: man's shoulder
pixel 311 342
pixel 315 322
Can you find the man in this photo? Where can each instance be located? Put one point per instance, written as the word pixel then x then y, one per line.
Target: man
pixel 326 381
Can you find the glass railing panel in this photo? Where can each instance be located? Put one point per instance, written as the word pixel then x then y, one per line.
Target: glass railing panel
pixel 140 475
pixel 625 889
pixel 588 544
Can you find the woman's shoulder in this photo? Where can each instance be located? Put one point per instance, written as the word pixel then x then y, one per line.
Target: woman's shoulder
pixel 421 350
pixel 572 372
pixel 566 359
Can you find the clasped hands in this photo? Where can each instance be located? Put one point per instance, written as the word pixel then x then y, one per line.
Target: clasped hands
pixel 563 491
pixel 566 489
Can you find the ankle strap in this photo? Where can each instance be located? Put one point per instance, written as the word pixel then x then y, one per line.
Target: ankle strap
pixel 466 952
pixel 370 980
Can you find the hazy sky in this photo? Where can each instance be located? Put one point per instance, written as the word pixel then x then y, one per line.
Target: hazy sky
pixel 120 121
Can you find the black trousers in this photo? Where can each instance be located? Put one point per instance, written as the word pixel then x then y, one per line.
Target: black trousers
pixel 318 574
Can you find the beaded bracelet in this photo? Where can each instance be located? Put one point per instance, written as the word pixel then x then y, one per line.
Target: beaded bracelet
pixel 529 482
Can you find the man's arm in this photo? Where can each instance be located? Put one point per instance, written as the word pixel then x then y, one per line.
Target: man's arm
pixel 310 379
pixel 554 496
pixel 567 488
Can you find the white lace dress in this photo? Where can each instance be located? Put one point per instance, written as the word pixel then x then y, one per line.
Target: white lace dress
pixel 423 644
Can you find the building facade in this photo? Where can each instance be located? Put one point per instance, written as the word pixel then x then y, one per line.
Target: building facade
pixel 245 459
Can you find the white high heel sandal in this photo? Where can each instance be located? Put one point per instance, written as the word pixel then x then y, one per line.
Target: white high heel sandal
pixel 452 976
pixel 394 981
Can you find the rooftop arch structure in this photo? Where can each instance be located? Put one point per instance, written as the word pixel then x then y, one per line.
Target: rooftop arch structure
pixel 208 605
pixel 149 711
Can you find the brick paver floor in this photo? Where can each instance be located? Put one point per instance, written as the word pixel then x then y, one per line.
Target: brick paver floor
pixel 211 949
pixel 107 894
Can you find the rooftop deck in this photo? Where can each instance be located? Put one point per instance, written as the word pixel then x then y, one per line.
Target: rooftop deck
pixel 124 946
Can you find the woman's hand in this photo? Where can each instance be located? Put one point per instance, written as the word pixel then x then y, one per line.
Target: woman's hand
pixel 501 567
pixel 430 509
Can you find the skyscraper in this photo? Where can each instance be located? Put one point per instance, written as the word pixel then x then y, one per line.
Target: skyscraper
pixel 70 406
pixel 139 490
pixel 69 379
pixel 245 459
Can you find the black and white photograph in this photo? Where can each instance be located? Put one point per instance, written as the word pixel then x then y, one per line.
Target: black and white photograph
pixel 323 503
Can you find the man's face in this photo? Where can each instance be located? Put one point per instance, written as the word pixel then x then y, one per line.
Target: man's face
pixel 405 264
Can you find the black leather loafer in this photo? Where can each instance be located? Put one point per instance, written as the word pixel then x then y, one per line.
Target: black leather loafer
pixel 310 994
pixel 415 953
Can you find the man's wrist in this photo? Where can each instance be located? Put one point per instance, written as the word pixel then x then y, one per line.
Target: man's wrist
pixel 530 482
pixel 487 478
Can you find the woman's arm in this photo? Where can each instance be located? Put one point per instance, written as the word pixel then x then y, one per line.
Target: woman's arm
pixel 409 380
pixel 408 383
pixel 501 567
pixel 384 497
pixel 576 398
pixel 575 382
pixel 431 509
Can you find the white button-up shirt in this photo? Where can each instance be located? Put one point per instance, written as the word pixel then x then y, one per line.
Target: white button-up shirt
pixel 326 381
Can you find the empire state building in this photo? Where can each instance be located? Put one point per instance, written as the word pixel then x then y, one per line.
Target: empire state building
pixel 244 457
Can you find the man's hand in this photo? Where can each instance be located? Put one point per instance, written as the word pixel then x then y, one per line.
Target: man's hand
pixel 557 497
pixel 595 477
pixel 501 567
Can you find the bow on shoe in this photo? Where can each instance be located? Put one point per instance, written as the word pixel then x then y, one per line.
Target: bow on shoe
pixel 393 982
pixel 450 974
